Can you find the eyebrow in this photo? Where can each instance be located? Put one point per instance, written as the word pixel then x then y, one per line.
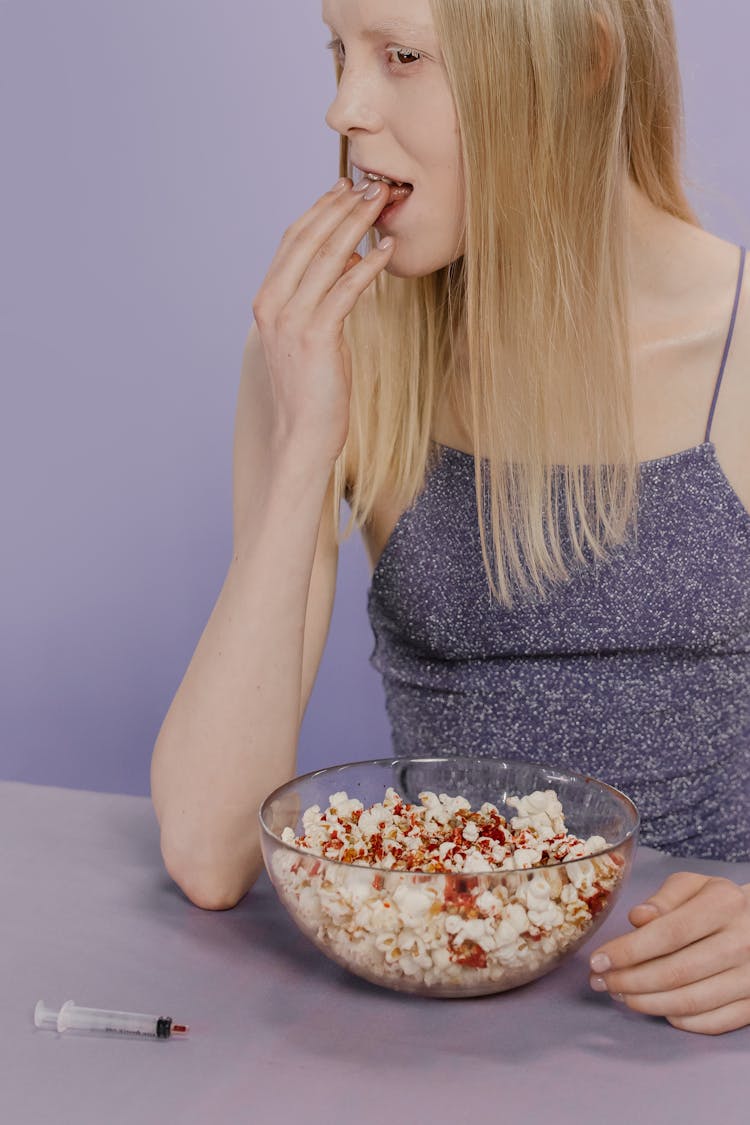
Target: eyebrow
pixel 388 27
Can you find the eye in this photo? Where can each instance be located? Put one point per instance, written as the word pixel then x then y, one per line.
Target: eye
pixel 411 56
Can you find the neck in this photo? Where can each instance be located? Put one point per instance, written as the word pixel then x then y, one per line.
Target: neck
pixel 655 249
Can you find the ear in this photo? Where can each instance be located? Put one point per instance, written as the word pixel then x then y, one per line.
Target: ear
pixel 603 54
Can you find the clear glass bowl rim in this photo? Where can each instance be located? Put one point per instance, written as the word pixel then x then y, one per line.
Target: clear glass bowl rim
pixel 552 771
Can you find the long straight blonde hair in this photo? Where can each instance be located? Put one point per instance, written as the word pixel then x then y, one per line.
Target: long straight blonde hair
pixel 538 303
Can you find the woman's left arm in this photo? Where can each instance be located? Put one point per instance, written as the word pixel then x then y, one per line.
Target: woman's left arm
pixel 689 958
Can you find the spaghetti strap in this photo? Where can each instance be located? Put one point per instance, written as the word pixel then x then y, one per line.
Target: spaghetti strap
pixel 727 344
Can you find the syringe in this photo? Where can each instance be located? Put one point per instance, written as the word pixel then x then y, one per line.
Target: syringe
pixel 96 1019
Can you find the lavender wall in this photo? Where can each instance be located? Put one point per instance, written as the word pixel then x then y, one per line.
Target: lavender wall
pixel 153 152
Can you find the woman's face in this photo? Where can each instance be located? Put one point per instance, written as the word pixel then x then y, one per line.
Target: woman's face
pixel 395 106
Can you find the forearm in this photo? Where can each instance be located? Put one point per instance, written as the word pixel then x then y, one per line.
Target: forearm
pixel 230 735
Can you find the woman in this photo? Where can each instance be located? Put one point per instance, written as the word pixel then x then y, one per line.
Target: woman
pixel 578 593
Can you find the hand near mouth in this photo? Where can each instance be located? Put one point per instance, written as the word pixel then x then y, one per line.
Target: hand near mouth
pixel 312 285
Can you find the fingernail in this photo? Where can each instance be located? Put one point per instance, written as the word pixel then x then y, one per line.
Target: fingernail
pixel 362 185
pixel 373 191
pixel 599 984
pixel 600 962
pixel 618 996
pixel 647 906
pixel 340 185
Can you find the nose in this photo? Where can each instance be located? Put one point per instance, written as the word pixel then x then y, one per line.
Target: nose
pixel 353 107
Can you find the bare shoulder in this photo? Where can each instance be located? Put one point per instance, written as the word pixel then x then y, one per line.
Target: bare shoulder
pixel 683 323
pixel 731 421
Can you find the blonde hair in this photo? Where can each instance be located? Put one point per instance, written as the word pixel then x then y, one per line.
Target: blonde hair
pixel 539 298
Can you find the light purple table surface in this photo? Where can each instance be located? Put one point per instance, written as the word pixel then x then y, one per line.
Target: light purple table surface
pixel 278 1033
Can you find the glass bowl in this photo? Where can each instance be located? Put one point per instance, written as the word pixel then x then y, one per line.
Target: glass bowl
pixel 450 934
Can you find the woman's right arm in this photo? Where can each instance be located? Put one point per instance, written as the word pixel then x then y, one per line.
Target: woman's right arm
pixel 230 735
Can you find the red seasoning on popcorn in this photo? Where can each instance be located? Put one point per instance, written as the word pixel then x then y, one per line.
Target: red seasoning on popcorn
pixel 440 930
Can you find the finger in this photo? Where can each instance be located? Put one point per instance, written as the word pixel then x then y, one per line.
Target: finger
pixel 670 894
pixel 341 191
pixel 717 1022
pixel 696 918
pixel 326 267
pixel 327 240
pixel 344 296
pixel 355 258
pixel 302 240
pixel 699 961
pixel 643 913
pixel 664 935
pixel 675 890
pixel 695 999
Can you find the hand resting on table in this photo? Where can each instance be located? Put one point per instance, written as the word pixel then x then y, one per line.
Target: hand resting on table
pixel 689 957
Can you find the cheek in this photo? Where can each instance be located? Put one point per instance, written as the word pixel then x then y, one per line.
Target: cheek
pixel 449 208
pixel 458 199
pixel 444 189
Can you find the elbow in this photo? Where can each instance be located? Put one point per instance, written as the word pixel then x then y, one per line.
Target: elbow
pixel 213 902
pixel 202 892
pixel 203 887
pixel 208 898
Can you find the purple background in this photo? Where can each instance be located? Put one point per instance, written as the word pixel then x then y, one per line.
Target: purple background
pixel 153 153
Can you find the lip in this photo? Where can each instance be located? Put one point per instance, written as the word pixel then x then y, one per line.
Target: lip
pixel 385 219
pixel 379 172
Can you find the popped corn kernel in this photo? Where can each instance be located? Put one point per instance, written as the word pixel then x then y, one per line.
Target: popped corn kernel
pixel 402 924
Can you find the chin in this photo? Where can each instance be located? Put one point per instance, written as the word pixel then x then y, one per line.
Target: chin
pixel 400 265
pixel 405 271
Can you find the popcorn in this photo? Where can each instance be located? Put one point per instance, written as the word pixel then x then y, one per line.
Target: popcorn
pixel 470 832
pixel 458 930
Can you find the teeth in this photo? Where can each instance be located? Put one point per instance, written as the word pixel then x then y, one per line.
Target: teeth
pixel 372 176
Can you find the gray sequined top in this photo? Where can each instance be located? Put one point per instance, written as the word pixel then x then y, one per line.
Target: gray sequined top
pixel 636 672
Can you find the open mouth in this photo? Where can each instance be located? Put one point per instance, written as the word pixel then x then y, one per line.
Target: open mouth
pixel 399 195
pixel 399 190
